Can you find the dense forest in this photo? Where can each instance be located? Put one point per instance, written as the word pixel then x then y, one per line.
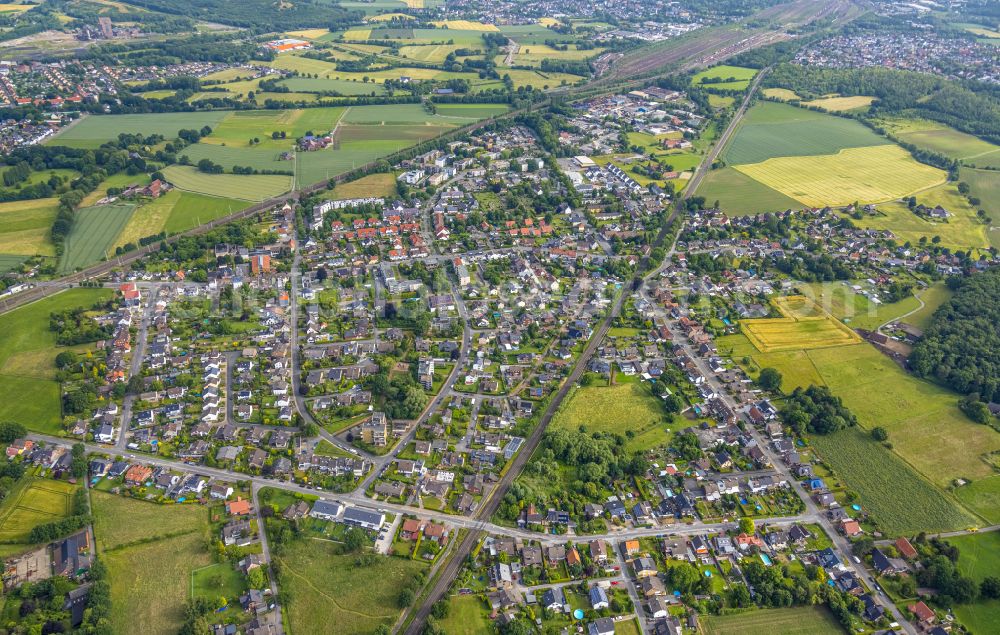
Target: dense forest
pixel 259 14
pixel 974 111
pixel 817 410
pixel 961 349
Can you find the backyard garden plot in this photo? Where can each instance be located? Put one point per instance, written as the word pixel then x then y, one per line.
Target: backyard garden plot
pixel 804 326
pixel 94 234
pixel 93 130
pixel 778 130
pixel 33 502
pixel 25 225
pixel 869 174
pixel 246 188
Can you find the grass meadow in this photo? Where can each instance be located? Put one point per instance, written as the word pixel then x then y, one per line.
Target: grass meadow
pixel 618 408
pixel 868 174
pixel 985 185
pixel 150 559
pixel 772 130
pixel 382 184
pixel 979 557
pixel 724 77
pixel 324 582
pixel 807 620
pixel 32 502
pixel 27 360
pixel 961 230
pixel 468 615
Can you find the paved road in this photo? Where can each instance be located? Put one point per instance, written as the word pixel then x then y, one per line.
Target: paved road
pixel 135 368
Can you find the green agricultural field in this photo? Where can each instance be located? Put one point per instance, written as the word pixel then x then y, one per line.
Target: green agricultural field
pixel 853 308
pixel 32 502
pixel 807 620
pixel 25 226
pixel 962 230
pixel 192 210
pixel 27 360
pixel 979 617
pixel 740 195
pixel 724 77
pixel 383 185
pixel 932 297
pixel 772 130
pixel 227 156
pixel 910 505
pixel 395 114
pixel 534 34
pixel 872 174
pixel 323 582
pixel 340 86
pixel 93 130
pixel 783 94
pixel 247 188
pixel 617 408
pixel 121 180
pixel 94 234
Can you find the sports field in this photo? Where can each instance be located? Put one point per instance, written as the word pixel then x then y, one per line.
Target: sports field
pixel 25 225
pixel 32 502
pixel 94 234
pixel 93 130
pixel 618 408
pixel 804 326
pixel 811 620
pixel 869 174
pixel 841 104
pixel 778 130
pixel 240 187
pixel 27 360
